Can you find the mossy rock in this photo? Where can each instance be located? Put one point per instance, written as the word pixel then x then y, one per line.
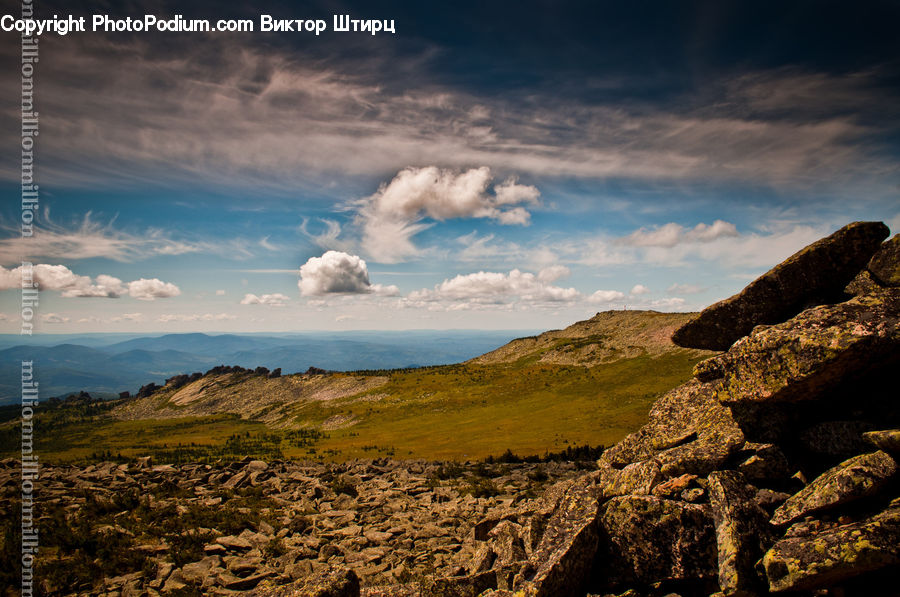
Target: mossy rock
pixel 815 274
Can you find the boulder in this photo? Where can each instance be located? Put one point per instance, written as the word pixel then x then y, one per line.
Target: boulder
pixel 839 439
pixel 887 440
pixel 562 561
pixel 858 477
pixel 885 264
pixel 826 558
pixel 650 539
pixel 327 582
pixel 461 586
pixel 816 273
pixel 636 478
pixel 688 432
pixel 802 358
pixel 742 530
pixel 764 462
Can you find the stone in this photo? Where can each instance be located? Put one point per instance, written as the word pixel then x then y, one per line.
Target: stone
pixel 234 543
pixel 506 542
pixel 766 463
pixel 862 284
pixel 674 486
pixel 175 582
pixel 887 440
pixel 462 586
pixel 327 582
pixel 800 359
pixel 825 558
pixel 688 431
pixel 858 477
pixel 885 264
pixel 650 539
pixel 816 273
pixel 741 530
pixel 561 563
pixel 839 439
pixel 635 478
pixel 195 572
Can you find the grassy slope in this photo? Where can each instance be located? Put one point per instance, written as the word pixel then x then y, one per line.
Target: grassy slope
pixel 589 384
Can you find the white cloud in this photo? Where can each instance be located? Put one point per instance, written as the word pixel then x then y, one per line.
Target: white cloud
pixel 54 318
pixel 71 285
pixel 336 272
pixel 220 292
pixel 553 273
pixel 127 317
pixel 492 288
pixel 639 289
pixel 606 296
pixel 272 300
pixel 327 239
pixel 394 214
pixel 684 289
pixel 89 239
pixel 672 234
pixel 170 317
pixel 148 290
pixel 268 246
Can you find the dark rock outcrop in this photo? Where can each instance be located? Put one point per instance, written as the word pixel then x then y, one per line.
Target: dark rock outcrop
pixel 859 477
pixel 885 264
pixel 823 559
pixel 803 357
pixel 817 273
pixel 650 539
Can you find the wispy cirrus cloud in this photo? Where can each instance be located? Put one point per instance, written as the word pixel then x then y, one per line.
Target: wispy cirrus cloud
pixel 243 114
pixel 89 238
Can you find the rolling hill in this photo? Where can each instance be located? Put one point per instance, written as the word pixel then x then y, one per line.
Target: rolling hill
pixel 586 384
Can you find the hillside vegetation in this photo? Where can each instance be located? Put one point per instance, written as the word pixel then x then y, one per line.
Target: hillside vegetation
pixel 589 384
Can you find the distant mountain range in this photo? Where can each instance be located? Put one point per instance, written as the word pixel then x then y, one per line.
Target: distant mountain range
pixel 110 363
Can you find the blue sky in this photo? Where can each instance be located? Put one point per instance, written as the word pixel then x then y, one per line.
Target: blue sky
pixel 490 165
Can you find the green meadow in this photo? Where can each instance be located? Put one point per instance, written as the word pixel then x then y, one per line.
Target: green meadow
pixel 456 412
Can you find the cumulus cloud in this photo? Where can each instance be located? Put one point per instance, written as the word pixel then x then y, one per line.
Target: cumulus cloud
pixel 494 288
pixel 272 300
pixel 336 272
pixel 672 234
pixel 395 213
pixel 639 289
pixel 606 296
pixel 148 290
pixel 71 285
pixel 220 292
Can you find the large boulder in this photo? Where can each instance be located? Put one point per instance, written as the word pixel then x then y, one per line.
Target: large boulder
pixel 809 354
pixel 562 562
pixel 688 432
pixel 817 273
pixel 650 539
pixel 885 264
pixel 824 559
pixel 742 530
pixel 858 477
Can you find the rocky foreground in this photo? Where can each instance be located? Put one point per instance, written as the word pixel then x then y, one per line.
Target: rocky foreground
pixel 773 471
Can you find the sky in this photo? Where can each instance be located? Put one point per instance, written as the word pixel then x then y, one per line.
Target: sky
pixel 489 165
